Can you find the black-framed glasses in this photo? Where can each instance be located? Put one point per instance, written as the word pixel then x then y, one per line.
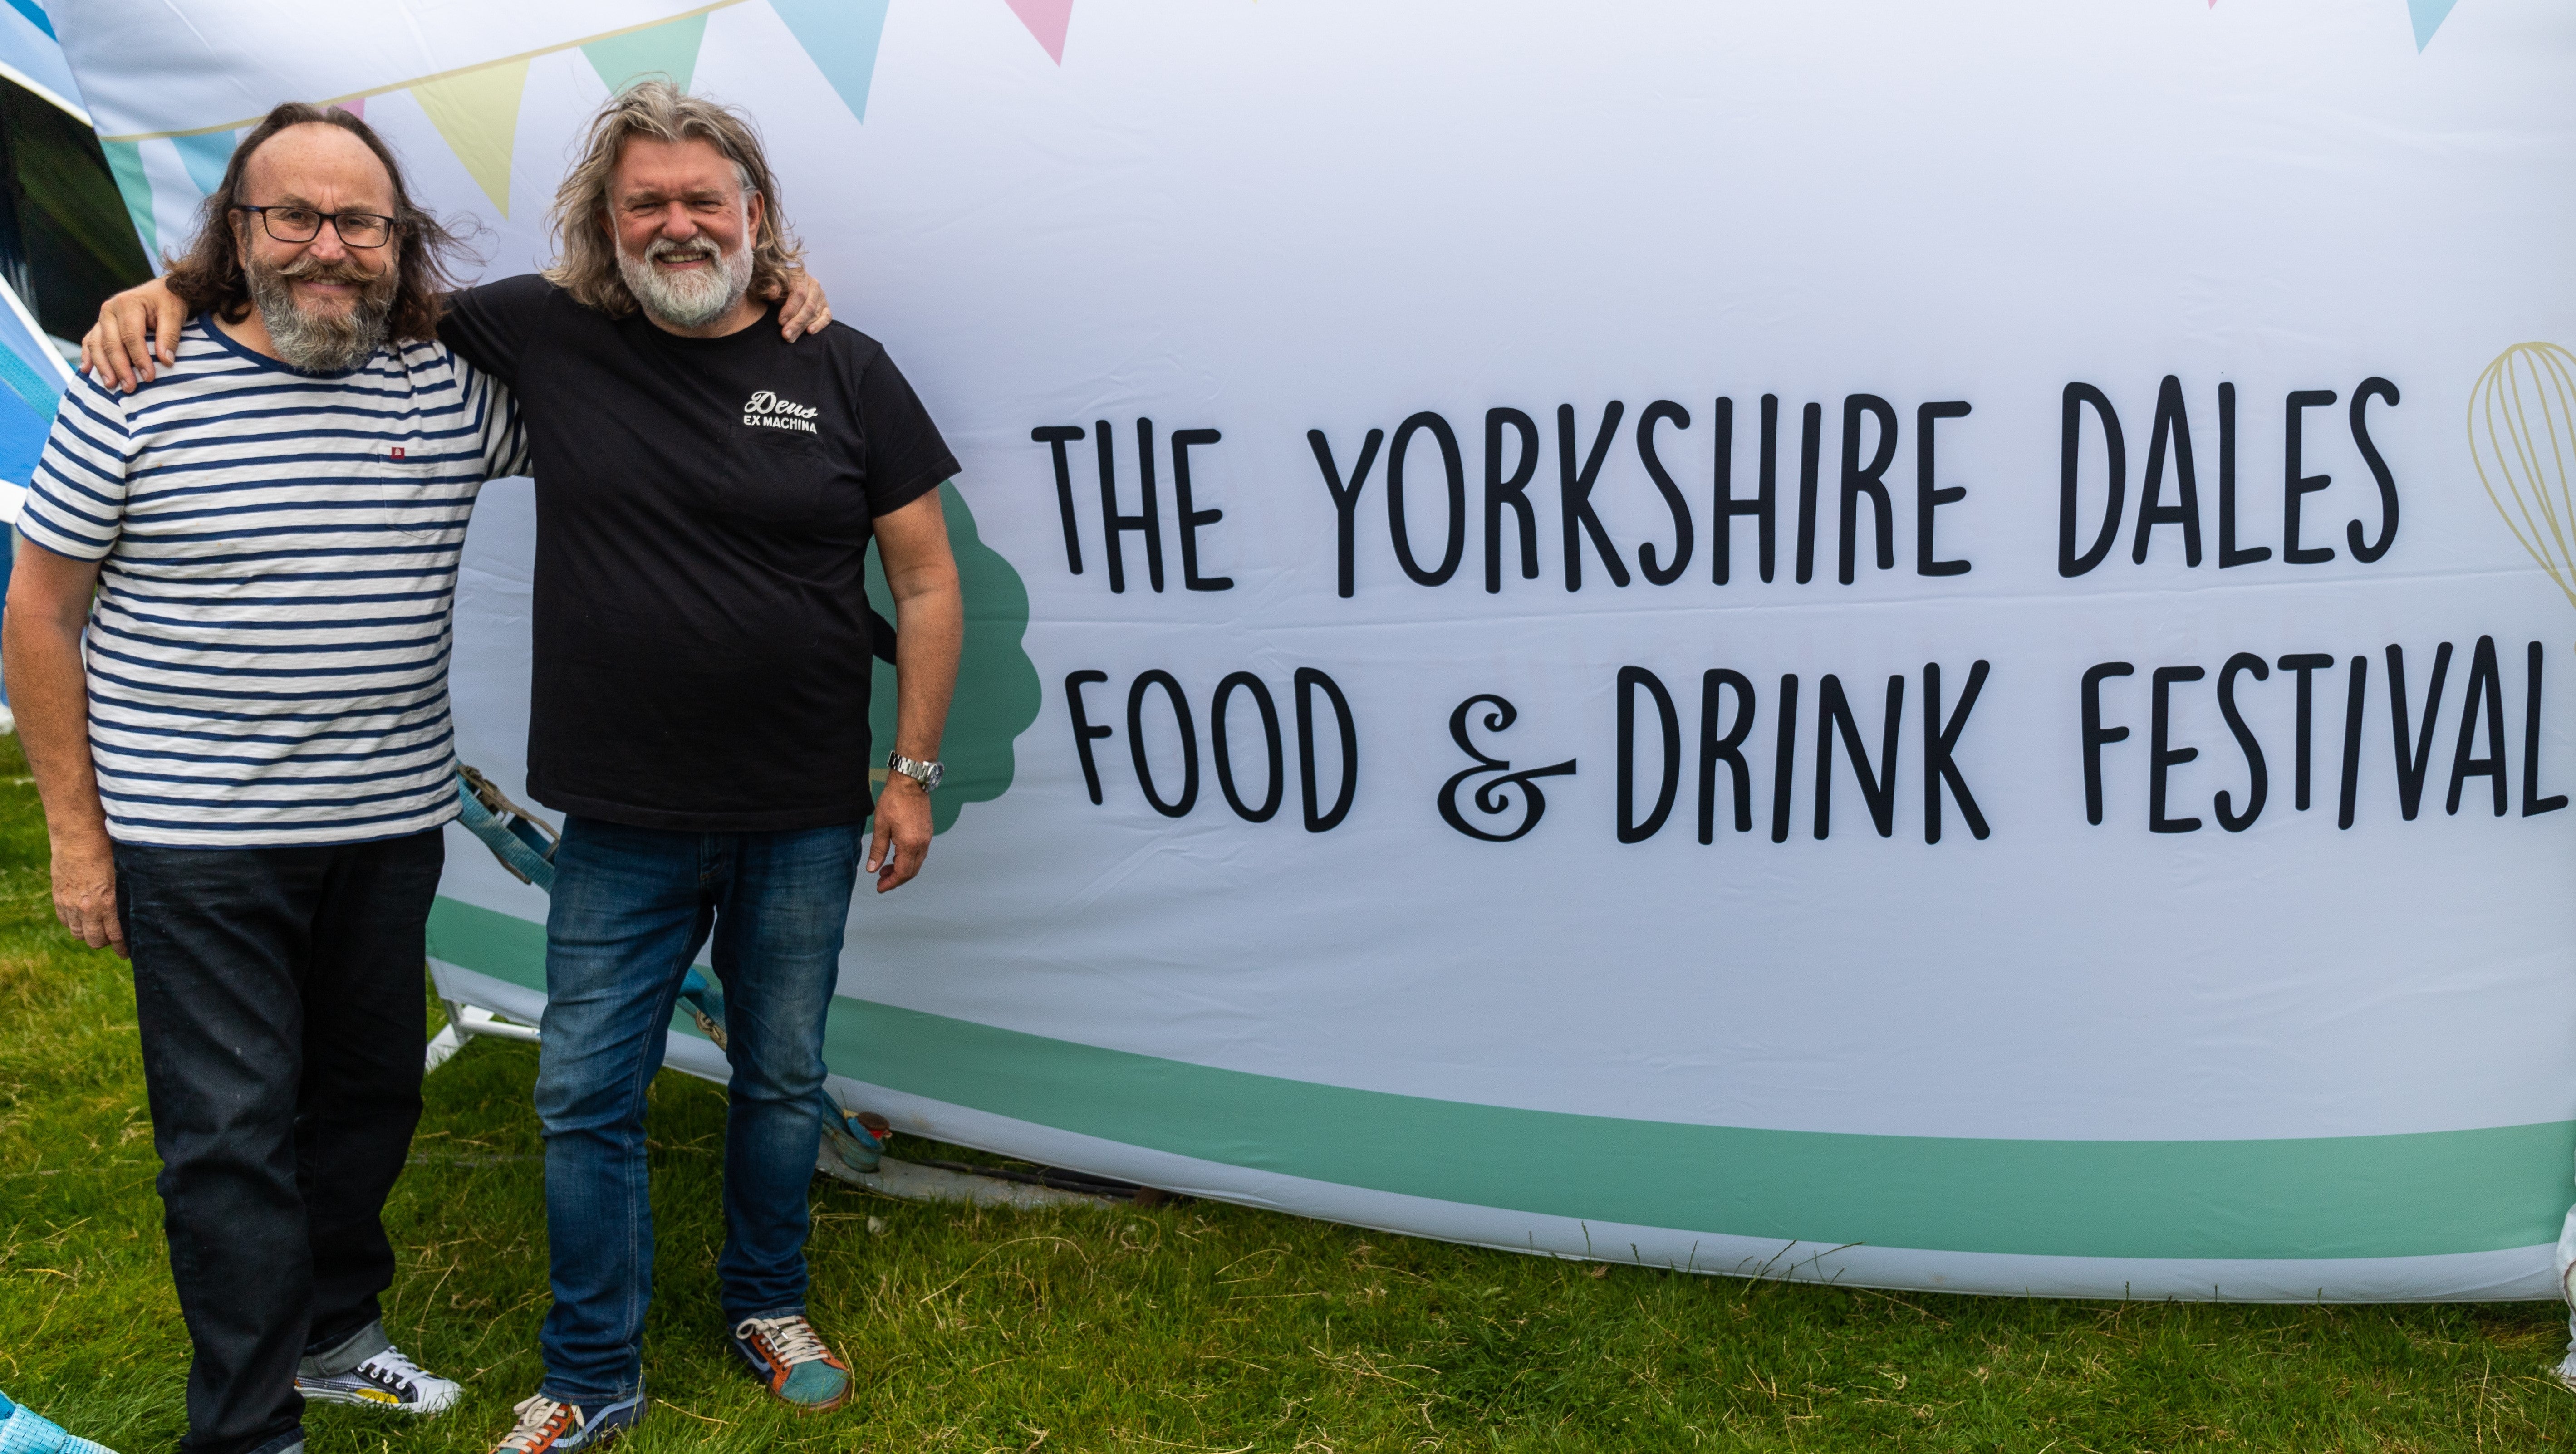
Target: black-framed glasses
pixel 303 224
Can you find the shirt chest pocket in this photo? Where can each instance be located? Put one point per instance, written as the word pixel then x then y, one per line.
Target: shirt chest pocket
pixel 790 479
pixel 420 495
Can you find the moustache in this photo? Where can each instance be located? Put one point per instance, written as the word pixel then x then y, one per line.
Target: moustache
pixel 316 270
pixel 666 249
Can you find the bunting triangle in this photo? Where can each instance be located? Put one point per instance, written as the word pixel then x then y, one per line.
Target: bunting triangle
pixel 2428 16
pixel 1049 19
pixel 669 51
pixel 840 36
pixel 36 17
pixel 125 163
pixel 478 113
pixel 205 157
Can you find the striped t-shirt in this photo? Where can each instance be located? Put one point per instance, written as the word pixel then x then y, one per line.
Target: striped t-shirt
pixel 268 653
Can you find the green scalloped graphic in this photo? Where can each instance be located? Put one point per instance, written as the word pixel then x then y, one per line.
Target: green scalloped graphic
pixel 2415 1194
pixel 997 684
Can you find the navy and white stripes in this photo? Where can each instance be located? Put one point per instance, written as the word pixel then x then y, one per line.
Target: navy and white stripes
pixel 268 655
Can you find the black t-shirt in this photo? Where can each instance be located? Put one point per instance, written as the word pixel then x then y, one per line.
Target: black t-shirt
pixel 703 512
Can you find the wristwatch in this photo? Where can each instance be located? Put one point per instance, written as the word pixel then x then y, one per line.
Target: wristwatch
pixel 927 774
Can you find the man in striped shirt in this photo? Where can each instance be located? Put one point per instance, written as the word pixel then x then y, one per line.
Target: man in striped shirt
pixel 700 600
pixel 245 773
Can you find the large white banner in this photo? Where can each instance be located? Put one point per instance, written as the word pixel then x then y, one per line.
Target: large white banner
pixel 1926 645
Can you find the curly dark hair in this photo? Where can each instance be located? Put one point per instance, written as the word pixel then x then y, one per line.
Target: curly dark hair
pixel 209 275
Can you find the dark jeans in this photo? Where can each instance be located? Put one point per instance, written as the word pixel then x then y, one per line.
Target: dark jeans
pixel 631 908
pixel 279 995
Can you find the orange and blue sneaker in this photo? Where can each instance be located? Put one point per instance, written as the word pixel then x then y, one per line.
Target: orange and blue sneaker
pixel 801 1370
pixel 545 1425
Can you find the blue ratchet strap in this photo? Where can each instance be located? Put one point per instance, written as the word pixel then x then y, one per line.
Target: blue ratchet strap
pixel 523 842
pixel 857 1137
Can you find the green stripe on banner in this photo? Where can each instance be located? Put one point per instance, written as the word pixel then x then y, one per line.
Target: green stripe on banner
pixel 2321 1197
pixel 500 945
pixel 125 163
pixel 503 947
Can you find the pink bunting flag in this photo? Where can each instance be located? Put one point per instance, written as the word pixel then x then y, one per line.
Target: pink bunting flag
pixel 1048 19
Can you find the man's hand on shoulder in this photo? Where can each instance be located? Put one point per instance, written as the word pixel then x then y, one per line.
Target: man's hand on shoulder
pixel 134 328
pixel 804 309
pixel 902 836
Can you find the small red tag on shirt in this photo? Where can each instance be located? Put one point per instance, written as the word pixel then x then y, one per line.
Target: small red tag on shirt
pixel 398 451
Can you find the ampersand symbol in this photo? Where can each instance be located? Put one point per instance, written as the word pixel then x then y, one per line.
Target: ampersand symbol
pixel 1490 796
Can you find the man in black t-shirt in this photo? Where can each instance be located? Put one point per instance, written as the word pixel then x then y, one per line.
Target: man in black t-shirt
pixel 706 493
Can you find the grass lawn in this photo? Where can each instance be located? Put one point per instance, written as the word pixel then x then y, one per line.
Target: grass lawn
pixel 1189 1327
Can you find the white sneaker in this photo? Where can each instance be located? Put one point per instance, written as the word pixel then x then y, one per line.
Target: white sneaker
pixel 387 1380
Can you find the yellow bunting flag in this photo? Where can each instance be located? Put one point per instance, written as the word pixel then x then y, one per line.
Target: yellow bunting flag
pixel 478 113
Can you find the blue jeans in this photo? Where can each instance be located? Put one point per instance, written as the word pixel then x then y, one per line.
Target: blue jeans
pixel 632 907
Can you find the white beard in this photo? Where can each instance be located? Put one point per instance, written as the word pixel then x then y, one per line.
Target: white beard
pixel 692 299
pixel 317 341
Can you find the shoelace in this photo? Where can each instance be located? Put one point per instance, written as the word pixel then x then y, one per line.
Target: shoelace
pixel 540 1419
pixel 392 1367
pixel 791 1339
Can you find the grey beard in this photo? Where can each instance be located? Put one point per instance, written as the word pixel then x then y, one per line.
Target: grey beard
pixel 316 342
pixel 689 301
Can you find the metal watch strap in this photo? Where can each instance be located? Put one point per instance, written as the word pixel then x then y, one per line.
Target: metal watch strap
pixel 927 774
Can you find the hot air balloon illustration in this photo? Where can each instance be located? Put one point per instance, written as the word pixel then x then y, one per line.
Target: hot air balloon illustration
pixel 2522 435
